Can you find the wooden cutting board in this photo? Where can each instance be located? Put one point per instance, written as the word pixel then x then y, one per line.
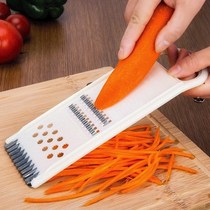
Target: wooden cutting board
pixel 20 106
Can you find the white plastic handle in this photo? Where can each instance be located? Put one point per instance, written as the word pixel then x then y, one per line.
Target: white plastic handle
pixel 198 80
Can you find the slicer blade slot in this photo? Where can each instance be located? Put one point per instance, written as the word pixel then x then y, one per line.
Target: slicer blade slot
pixel 99 114
pixel 83 119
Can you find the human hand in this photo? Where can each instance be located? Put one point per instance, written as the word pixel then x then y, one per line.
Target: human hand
pixel 186 65
pixel 139 12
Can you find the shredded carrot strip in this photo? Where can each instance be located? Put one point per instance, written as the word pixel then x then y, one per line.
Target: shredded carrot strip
pixel 170 166
pixel 177 151
pixel 155 180
pixel 164 143
pixel 139 127
pixel 62 198
pixel 184 168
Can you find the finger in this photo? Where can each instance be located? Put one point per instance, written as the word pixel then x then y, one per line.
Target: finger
pixel 139 18
pixel 175 54
pixel 182 54
pixel 172 53
pixel 129 9
pixel 192 63
pixel 178 23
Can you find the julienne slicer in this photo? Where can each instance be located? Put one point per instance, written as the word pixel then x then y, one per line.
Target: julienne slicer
pixel 73 128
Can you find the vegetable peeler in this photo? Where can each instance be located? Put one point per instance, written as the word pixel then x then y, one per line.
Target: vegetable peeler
pixel 74 127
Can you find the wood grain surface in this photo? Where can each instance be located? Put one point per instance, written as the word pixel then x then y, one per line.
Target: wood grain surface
pixel 87 36
pixel 21 105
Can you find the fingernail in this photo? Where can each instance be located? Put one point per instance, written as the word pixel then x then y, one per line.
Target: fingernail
pixel 162 45
pixel 175 70
pixel 121 53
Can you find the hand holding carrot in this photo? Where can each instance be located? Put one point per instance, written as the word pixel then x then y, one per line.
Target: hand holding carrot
pixel 138 14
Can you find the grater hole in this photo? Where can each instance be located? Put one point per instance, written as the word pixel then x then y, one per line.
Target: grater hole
pixel 50 140
pixel 40 141
pixel 35 135
pixel 65 146
pixel 40 127
pixel 45 133
pixel 50 156
pixel 55 131
pixel 60 138
pixel 60 154
pixel 50 125
pixel 44 148
pixel 55 147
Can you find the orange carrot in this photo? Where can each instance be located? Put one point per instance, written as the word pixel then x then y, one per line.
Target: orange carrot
pixel 129 72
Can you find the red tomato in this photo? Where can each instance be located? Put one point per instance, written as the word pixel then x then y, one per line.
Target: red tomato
pixel 21 23
pixel 10 42
pixel 4 10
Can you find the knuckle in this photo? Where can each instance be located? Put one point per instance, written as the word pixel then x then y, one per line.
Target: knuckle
pixel 174 34
pixel 138 19
pixel 135 19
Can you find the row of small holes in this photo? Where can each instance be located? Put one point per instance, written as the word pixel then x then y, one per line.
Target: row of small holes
pixel 55 147
pixel 41 126
pixel 49 140
pixel 58 155
pixel 44 133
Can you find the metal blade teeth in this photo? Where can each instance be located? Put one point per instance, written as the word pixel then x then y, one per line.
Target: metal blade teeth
pixel 17 155
pixel 13 149
pixel 12 143
pixel 24 168
pixel 22 161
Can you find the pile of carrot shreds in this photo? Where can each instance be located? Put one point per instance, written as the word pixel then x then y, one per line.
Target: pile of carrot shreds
pixel 121 165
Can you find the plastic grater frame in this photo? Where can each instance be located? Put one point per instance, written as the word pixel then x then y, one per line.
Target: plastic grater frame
pixel 74 127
